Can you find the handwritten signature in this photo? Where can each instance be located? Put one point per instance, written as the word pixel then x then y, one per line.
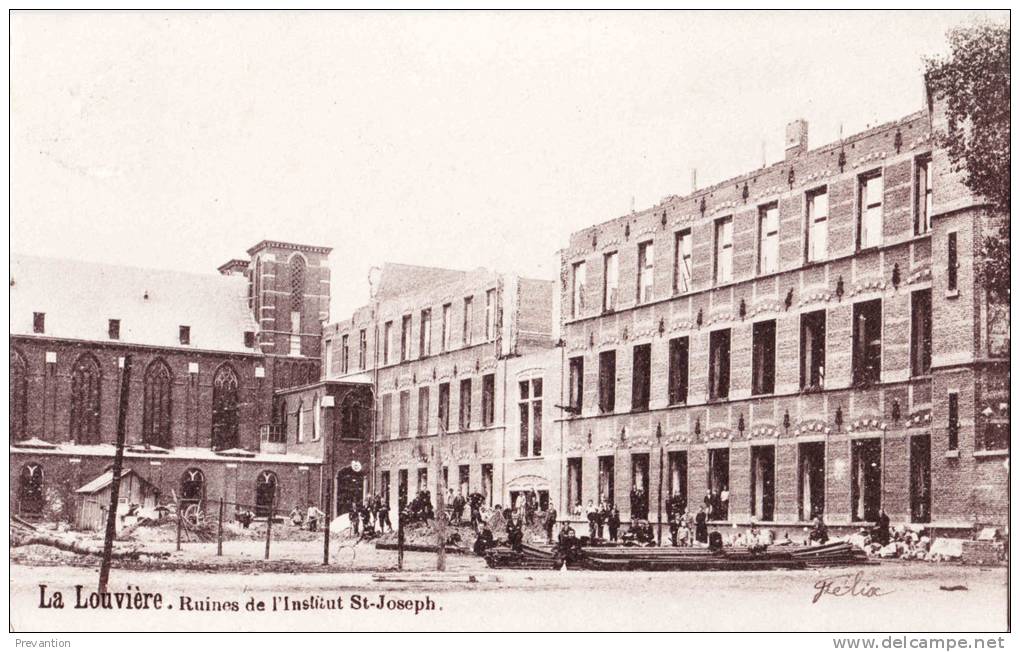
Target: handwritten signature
pixel 848 584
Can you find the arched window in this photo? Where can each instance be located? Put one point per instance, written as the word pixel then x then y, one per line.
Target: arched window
pixel 156 405
pixel 225 409
pixel 265 493
pixel 192 488
pixel 297 282
pixel 85 400
pixel 31 490
pixel 18 396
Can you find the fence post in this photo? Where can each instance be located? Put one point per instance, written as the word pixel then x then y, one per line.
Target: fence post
pixel 179 517
pixel 219 532
pixel 400 539
pixel 269 525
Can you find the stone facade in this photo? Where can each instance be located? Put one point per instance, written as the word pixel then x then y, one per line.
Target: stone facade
pixel 494 324
pixel 880 441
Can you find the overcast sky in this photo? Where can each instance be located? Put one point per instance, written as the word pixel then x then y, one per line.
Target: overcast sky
pixel 451 139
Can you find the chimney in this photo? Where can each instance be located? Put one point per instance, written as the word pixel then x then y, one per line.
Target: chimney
pixel 694 180
pixel 796 138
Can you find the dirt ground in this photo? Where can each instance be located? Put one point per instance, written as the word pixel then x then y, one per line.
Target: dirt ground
pixel 909 596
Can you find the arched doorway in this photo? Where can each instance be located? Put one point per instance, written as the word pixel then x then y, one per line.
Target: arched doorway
pixel 31 490
pixel 265 493
pixel 349 489
pixel 192 488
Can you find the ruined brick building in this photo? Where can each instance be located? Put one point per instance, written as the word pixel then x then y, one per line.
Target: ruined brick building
pixel 805 339
pixel 810 338
pixel 468 354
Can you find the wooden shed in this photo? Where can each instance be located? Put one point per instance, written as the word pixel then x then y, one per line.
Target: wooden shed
pixel 136 494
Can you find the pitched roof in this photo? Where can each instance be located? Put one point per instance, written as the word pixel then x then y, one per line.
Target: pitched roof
pixel 105 479
pixel 79 298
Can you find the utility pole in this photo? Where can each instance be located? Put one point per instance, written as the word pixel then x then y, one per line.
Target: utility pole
pixel 659 508
pixel 118 463
pixel 328 507
pixel 440 504
pixel 658 436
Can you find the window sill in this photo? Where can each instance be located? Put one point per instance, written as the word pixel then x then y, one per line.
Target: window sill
pixel 953 454
pixel 638 410
pixel 952 294
pixel 1001 452
pixel 813 389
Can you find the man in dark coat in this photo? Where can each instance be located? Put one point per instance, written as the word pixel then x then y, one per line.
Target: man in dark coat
pixel 354 514
pixel 701 526
pixel 475 501
pixel 515 532
pixel 550 523
pixel 458 509
pixel 614 523
pixel 383 511
pixel 882 528
pixel 484 541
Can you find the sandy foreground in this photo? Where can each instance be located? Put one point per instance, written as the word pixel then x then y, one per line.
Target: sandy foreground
pixel 363 591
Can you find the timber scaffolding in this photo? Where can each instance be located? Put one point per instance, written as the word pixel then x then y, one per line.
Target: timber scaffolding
pixel 612 557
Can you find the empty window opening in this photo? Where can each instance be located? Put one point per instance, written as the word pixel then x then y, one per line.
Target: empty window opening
pixel 869 216
pixel 768 239
pixel 677 482
pixel 639 463
pixel 812 350
pixel 923 196
pixel 573 483
pixel 717 497
pixel 763 482
pixel 642 377
pixel 817 245
pixel 865 479
pixel 646 272
pixel 719 364
pixel 679 360
pixel 682 262
pixel 763 358
pixel 724 250
pixel 607 381
pixel 867 353
pixel 576 384
pixel 811 475
pixel 607 480
pixel 465 404
pixel 610 281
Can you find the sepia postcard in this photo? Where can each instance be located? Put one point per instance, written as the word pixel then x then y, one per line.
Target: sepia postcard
pixel 487 320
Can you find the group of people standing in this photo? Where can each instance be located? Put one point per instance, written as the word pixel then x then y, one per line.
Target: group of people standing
pixel 370 517
pixel 600 518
